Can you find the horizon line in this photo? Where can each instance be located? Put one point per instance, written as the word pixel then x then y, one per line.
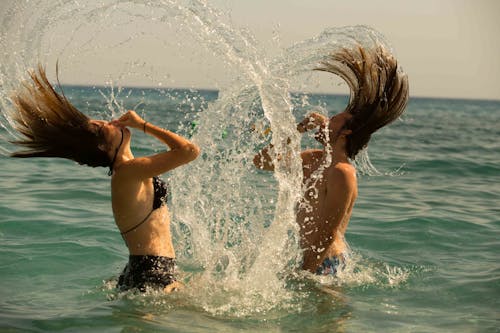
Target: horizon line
pixel 83 85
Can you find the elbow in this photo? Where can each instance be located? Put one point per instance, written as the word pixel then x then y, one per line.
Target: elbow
pixel 190 152
pixel 262 162
pixel 257 161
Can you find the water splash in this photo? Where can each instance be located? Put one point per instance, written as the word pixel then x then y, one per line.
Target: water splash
pixel 238 244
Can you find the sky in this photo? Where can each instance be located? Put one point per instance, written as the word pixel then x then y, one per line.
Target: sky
pixel 449 48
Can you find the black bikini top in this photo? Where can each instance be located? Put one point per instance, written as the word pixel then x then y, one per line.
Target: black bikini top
pixel 160 198
pixel 161 192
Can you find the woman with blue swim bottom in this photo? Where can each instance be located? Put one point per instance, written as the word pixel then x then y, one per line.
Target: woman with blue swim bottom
pixel 50 126
pixel 379 94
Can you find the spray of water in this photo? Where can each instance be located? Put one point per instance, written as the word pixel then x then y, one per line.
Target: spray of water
pixel 238 245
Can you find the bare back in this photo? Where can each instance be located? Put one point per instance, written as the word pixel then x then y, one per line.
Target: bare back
pixel 324 212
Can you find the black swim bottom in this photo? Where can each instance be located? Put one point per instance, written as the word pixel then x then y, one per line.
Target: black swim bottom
pixel 144 272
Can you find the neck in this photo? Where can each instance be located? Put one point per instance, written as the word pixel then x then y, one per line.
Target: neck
pixel 121 156
pixel 337 149
pixel 125 156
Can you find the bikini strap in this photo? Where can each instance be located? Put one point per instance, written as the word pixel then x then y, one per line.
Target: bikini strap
pixel 137 225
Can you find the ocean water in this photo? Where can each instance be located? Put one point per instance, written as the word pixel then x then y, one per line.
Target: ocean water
pixel 424 234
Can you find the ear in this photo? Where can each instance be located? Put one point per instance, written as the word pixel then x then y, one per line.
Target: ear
pixel 346 132
pixel 103 147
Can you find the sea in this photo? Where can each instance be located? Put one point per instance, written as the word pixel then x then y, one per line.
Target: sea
pixel 424 236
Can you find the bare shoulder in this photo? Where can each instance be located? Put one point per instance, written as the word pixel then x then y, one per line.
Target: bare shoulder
pixel 344 175
pixel 346 169
pixel 129 170
pixel 140 168
pixel 310 156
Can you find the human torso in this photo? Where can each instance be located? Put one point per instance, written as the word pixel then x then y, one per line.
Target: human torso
pixel 317 174
pixel 143 221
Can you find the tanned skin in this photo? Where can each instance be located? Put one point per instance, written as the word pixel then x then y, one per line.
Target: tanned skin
pixel 131 183
pixel 330 189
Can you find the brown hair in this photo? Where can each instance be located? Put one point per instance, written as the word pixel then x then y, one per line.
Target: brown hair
pixel 379 90
pixel 52 127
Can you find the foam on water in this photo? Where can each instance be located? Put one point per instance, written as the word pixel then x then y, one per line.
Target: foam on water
pixel 238 247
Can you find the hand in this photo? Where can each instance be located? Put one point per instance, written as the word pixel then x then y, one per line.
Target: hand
pixel 311 121
pixel 320 135
pixel 129 119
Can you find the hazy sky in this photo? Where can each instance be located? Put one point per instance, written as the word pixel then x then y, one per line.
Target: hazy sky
pixel 449 48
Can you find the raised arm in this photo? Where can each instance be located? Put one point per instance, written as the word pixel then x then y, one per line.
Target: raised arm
pixel 311 121
pixel 264 161
pixel 181 150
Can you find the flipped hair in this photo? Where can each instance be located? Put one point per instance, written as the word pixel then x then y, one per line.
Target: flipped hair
pixel 379 90
pixel 51 126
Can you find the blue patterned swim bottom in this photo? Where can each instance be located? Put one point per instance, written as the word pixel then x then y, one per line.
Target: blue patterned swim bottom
pixel 331 265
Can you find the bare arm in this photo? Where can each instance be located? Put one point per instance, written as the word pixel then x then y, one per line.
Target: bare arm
pixel 181 151
pixel 263 160
pixel 311 121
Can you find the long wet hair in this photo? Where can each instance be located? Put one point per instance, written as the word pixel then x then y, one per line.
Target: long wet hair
pixel 379 90
pixel 51 126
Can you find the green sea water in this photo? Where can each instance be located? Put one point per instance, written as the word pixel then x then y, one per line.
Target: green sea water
pixel 424 233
